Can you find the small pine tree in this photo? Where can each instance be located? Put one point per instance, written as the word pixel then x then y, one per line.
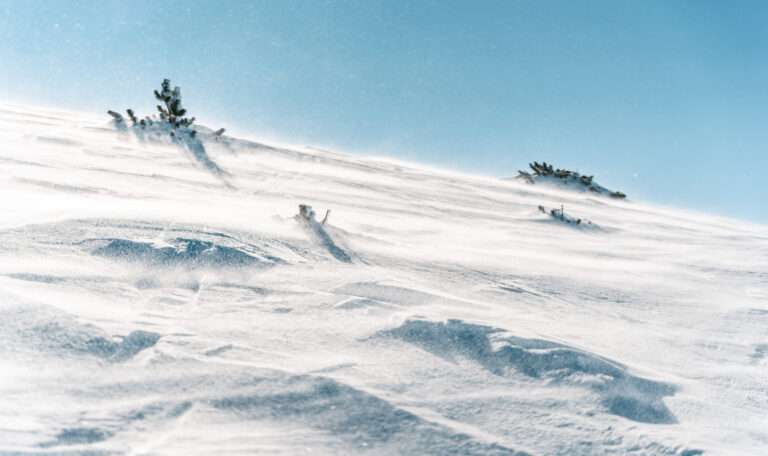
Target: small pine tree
pixel 170 111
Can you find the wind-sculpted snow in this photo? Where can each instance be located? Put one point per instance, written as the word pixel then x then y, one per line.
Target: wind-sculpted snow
pixel 76 436
pixel 377 292
pixel 196 147
pixel 181 251
pixel 364 421
pixel 167 249
pixel 33 327
pixel 353 421
pixel 622 394
pixel 158 297
pixel 160 133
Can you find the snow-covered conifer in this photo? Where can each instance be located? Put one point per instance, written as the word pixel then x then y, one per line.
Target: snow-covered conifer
pixel 170 111
pixel 173 112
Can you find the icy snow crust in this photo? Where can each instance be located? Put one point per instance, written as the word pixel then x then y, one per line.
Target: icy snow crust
pixel 158 297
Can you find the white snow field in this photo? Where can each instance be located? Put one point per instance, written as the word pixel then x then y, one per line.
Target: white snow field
pixel 160 298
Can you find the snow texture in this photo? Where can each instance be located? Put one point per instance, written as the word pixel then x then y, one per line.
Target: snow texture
pixel 158 296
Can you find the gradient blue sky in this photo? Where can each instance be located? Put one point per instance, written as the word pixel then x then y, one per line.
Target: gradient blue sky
pixel 664 100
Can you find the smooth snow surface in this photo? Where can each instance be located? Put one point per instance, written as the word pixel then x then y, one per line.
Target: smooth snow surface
pixel 160 298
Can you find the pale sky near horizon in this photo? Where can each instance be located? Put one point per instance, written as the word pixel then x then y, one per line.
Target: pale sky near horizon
pixel 664 100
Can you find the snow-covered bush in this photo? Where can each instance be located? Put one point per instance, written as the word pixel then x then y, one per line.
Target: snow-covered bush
pixel 559 214
pixel 171 117
pixel 547 173
pixel 307 216
pixel 317 231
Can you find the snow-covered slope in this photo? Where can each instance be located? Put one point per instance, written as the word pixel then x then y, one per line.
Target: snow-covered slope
pixel 158 298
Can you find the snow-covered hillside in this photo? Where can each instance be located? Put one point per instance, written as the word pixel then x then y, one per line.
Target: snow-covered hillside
pixel 158 298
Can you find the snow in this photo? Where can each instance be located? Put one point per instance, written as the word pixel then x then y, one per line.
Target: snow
pixel 159 297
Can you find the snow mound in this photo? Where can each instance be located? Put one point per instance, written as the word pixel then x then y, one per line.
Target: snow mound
pixel 181 251
pixel 40 329
pixel 153 244
pixel 622 393
pixel 76 436
pixel 362 420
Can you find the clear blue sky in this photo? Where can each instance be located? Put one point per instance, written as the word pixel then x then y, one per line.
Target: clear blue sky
pixel 664 100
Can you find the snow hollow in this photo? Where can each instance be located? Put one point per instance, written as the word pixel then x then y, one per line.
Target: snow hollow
pixel 160 297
